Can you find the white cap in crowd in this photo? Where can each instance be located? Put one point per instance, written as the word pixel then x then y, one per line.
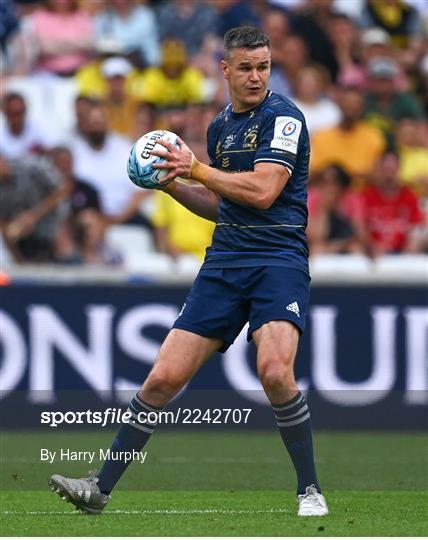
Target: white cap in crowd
pixel 375 36
pixel 117 66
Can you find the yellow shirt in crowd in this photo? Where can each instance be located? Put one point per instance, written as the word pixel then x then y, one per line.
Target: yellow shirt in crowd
pixel 355 150
pixel 155 87
pixel 413 165
pixel 121 118
pixel 186 231
pixel 92 83
pixel 150 85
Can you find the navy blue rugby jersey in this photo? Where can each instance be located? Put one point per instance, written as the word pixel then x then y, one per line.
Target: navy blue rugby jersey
pixel 273 132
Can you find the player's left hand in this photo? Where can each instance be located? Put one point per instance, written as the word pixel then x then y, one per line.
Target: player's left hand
pixel 178 160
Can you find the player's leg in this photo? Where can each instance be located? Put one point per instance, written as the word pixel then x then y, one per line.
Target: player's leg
pixel 279 302
pixel 277 343
pixel 180 356
pixel 211 318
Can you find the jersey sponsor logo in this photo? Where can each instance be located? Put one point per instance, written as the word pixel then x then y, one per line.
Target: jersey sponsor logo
pixel 286 134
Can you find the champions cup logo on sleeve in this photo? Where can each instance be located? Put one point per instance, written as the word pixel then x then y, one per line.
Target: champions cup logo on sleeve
pixel 286 134
pixel 289 129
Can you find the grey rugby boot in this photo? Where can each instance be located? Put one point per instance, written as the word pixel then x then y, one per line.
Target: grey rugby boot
pixel 82 492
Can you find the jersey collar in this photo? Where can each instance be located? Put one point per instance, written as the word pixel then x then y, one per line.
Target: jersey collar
pixel 244 114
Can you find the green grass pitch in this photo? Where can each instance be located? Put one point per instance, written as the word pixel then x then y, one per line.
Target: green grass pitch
pixel 216 483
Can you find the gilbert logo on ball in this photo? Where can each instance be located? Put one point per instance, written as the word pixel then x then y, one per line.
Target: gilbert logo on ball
pixel 141 160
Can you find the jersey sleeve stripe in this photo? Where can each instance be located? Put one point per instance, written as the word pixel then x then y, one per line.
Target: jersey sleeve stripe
pixel 286 164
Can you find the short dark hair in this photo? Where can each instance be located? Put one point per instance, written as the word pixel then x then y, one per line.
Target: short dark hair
pixel 11 96
pixel 244 37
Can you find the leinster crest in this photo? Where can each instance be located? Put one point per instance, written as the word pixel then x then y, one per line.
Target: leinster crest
pixel 250 137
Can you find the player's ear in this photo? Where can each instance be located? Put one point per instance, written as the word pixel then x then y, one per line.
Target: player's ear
pixel 224 68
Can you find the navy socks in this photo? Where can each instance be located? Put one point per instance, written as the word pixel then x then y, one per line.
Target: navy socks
pixel 294 425
pixel 130 438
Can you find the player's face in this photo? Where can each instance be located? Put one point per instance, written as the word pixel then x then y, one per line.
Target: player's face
pixel 247 73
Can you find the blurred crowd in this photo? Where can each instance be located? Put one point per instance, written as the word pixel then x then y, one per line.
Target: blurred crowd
pixel 82 79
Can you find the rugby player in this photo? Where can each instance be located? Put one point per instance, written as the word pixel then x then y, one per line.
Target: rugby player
pixel 255 271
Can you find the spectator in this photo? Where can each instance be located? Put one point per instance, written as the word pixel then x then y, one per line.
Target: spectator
pixel 62 35
pixel 294 57
pixel 353 144
pixel 10 23
pixel 311 23
pixel 191 123
pixel 82 107
pixel 19 135
pixel 405 26
pixel 175 82
pixel 344 36
pixel 100 158
pixel 90 80
pixel 197 120
pixel 413 153
pixel 233 13
pixel 335 214
pixel 277 26
pixel 177 230
pixel 187 21
pixel 133 27
pixel 349 204
pixel 384 105
pixel 81 194
pixel 207 62
pixel 373 43
pixel 352 9
pixel 173 118
pixel 93 7
pixel 89 234
pixel 398 18
pixel 32 206
pixel 9 31
pixel 392 213
pixel 310 96
pixel 145 120
pixel 422 84
pixel 121 106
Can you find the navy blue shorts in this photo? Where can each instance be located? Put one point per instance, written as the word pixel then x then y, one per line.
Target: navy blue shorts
pixel 222 300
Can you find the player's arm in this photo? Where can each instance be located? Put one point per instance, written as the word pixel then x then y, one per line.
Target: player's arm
pixel 195 197
pixel 258 188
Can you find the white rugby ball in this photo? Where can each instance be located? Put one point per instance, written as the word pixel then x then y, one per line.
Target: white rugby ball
pixel 141 160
